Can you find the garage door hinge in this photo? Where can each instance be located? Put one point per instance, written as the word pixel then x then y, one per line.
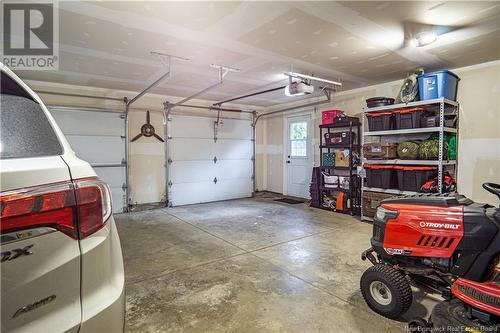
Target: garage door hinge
pixel 122 115
pixel 170 183
pixel 122 136
pixel 215 159
pixel 123 161
pixel 169 137
pixel 215 180
pixel 124 186
pixel 169 161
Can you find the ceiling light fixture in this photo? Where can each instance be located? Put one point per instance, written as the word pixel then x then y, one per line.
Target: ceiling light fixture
pixel 423 39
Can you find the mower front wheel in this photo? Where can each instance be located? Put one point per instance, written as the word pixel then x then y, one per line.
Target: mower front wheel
pixel 386 291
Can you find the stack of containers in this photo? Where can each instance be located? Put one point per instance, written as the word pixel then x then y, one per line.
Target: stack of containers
pixel 403 174
pixel 403 178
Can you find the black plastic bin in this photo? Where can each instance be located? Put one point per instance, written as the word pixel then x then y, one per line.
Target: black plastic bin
pixel 339 138
pixel 381 176
pixel 411 178
pixel 409 118
pixel 379 121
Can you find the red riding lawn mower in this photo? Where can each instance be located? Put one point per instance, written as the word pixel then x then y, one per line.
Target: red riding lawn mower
pixel 447 243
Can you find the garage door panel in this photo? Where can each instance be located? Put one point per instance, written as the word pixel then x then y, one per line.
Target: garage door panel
pixel 89 122
pixel 98 149
pixel 191 171
pixel 96 137
pixel 233 189
pixel 235 129
pixel 192 193
pixel 118 196
pixel 192 149
pixel 113 176
pixel 233 149
pixel 192 127
pixel 231 169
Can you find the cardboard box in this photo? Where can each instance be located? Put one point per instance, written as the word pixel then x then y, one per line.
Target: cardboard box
pixel 342 157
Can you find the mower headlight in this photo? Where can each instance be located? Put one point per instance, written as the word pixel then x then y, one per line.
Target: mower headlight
pixel 384 214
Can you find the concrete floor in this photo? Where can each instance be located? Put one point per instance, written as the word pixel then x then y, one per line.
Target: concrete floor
pixel 250 265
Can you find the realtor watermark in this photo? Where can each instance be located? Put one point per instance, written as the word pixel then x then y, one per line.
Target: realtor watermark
pixel 30 35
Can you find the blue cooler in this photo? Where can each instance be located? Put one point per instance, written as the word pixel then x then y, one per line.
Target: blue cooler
pixel 437 85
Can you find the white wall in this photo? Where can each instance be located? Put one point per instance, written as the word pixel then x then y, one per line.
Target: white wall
pixel 479 134
pixel 146 155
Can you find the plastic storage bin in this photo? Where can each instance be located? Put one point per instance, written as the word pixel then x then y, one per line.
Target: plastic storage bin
pixel 339 138
pixel 381 176
pixel 380 150
pixel 411 178
pixel 330 181
pixel 433 121
pixel 437 85
pixel 371 201
pixel 409 118
pixel 379 121
pixel 328 116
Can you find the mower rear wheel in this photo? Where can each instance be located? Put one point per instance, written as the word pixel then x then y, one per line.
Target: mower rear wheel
pixel 386 291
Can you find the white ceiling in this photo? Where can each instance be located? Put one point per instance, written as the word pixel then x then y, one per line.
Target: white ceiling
pixel 108 44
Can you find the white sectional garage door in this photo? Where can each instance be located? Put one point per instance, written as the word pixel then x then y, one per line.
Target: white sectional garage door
pixel 202 169
pixel 98 137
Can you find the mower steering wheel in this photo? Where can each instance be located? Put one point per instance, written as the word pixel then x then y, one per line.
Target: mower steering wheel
pixel 492 188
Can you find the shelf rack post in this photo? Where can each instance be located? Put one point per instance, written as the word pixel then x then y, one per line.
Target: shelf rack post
pixel 441 146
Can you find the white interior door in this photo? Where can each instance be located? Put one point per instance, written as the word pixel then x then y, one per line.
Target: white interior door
pixel 299 156
pixel 97 137
pixel 203 169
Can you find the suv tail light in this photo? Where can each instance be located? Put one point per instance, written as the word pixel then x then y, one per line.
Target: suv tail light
pixel 77 208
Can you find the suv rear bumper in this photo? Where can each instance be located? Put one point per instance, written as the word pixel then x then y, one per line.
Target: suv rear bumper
pixel 103 281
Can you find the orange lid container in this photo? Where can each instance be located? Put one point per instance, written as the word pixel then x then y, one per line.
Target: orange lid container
pixel 378 114
pixel 408 110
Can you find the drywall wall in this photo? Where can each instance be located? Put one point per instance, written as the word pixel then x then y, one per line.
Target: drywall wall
pixel 479 134
pixel 146 155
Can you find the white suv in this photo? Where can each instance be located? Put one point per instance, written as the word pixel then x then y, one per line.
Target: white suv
pixel 62 265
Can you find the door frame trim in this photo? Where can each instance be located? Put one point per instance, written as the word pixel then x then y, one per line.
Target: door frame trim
pixel 310 133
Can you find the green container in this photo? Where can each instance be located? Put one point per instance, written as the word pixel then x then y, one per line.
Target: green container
pixel 328 159
pixel 452 146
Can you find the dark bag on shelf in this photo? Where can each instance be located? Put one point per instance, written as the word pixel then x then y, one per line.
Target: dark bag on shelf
pixel 379 101
pixel 345 119
pixel 431 186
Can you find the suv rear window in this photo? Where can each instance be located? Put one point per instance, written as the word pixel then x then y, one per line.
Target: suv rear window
pixel 25 131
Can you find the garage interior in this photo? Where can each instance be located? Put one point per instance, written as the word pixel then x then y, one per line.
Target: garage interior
pixel 184 109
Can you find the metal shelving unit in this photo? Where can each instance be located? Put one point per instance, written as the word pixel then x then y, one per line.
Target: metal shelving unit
pixel 445 108
pixel 354 191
